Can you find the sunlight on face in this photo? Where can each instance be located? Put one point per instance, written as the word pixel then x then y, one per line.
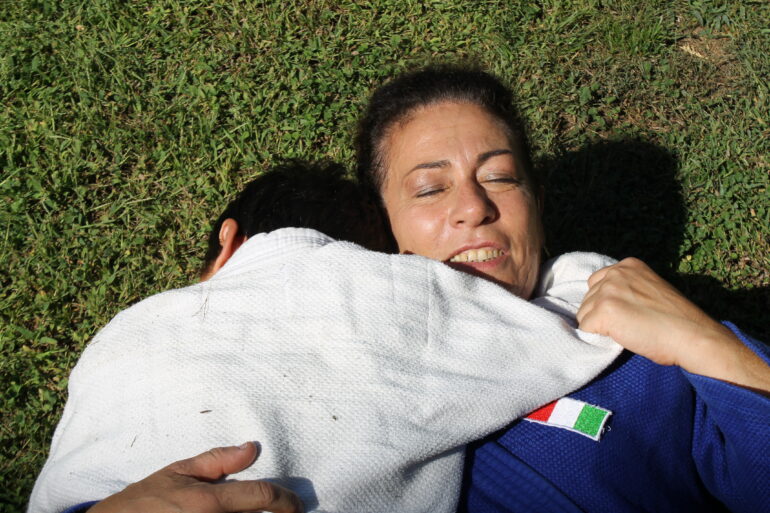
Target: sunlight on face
pixel 455 191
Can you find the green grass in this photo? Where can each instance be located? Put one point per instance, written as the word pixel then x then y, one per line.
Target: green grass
pixel 125 126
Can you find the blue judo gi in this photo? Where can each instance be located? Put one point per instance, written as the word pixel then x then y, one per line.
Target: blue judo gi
pixel 676 442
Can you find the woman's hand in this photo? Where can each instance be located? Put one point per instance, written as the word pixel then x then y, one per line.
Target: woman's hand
pixel 185 487
pixel 646 315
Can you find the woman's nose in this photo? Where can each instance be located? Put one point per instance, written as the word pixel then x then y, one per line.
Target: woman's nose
pixel 472 206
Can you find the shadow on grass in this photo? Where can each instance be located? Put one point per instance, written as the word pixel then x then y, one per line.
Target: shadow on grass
pixel 622 198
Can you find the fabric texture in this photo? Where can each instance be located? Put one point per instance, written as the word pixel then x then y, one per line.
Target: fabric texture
pixel 675 442
pixel 363 375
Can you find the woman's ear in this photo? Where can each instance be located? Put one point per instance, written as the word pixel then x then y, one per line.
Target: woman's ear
pixel 229 240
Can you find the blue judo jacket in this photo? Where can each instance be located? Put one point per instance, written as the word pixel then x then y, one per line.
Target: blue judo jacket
pixel 675 442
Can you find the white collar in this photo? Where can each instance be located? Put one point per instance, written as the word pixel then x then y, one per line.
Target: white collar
pixel 269 246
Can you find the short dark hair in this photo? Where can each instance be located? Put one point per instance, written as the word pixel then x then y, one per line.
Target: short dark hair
pixel 396 100
pixel 305 195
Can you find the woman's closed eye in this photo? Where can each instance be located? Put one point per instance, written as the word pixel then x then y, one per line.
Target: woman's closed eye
pixel 499 181
pixel 429 191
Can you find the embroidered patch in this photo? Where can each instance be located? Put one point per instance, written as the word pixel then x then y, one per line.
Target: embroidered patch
pixel 573 415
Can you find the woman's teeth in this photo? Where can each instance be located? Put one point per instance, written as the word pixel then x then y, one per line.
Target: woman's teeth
pixel 476 255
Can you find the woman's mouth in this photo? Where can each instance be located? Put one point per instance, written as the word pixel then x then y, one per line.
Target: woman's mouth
pixel 483 262
pixel 477 255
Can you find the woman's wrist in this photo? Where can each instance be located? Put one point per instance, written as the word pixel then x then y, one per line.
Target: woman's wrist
pixel 716 352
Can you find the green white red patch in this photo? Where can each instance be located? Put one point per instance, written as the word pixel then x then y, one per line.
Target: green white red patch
pixel 573 415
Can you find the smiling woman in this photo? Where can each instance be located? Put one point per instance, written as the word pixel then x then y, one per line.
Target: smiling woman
pixel 449 155
pixel 456 190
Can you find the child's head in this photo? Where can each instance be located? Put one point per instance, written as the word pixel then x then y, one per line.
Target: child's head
pixel 303 195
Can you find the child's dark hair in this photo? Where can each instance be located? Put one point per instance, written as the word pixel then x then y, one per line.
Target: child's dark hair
pixel 305 195
pixel 395 101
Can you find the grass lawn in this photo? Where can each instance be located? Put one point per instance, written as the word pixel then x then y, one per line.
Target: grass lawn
pixel 125 126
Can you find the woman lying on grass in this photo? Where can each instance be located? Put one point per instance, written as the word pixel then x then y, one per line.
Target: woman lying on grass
pixel 690 426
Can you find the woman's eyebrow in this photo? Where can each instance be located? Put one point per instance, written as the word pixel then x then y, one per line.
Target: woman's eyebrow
pixel 430 165
pixel 489 154
pixel 443 163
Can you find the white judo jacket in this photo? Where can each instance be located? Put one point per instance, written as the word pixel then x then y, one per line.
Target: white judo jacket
pixel 362 374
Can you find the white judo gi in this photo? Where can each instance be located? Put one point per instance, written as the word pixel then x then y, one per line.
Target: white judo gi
pixel 363 375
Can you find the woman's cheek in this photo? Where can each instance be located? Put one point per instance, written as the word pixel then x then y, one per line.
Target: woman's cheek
pixel 419 231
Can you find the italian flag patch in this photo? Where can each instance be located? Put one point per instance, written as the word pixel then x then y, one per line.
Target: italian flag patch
pixel 573 415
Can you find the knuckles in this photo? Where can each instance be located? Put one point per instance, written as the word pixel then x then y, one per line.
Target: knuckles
pixel 264 491
pixel 632 262
pixel 611 288
pixel 619 280
pixel 609 307
pixel 261 493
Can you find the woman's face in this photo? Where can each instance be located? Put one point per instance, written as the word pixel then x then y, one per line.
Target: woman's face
pixel 454 192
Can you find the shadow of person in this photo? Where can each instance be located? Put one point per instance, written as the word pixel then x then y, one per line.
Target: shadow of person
pixel 622 198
